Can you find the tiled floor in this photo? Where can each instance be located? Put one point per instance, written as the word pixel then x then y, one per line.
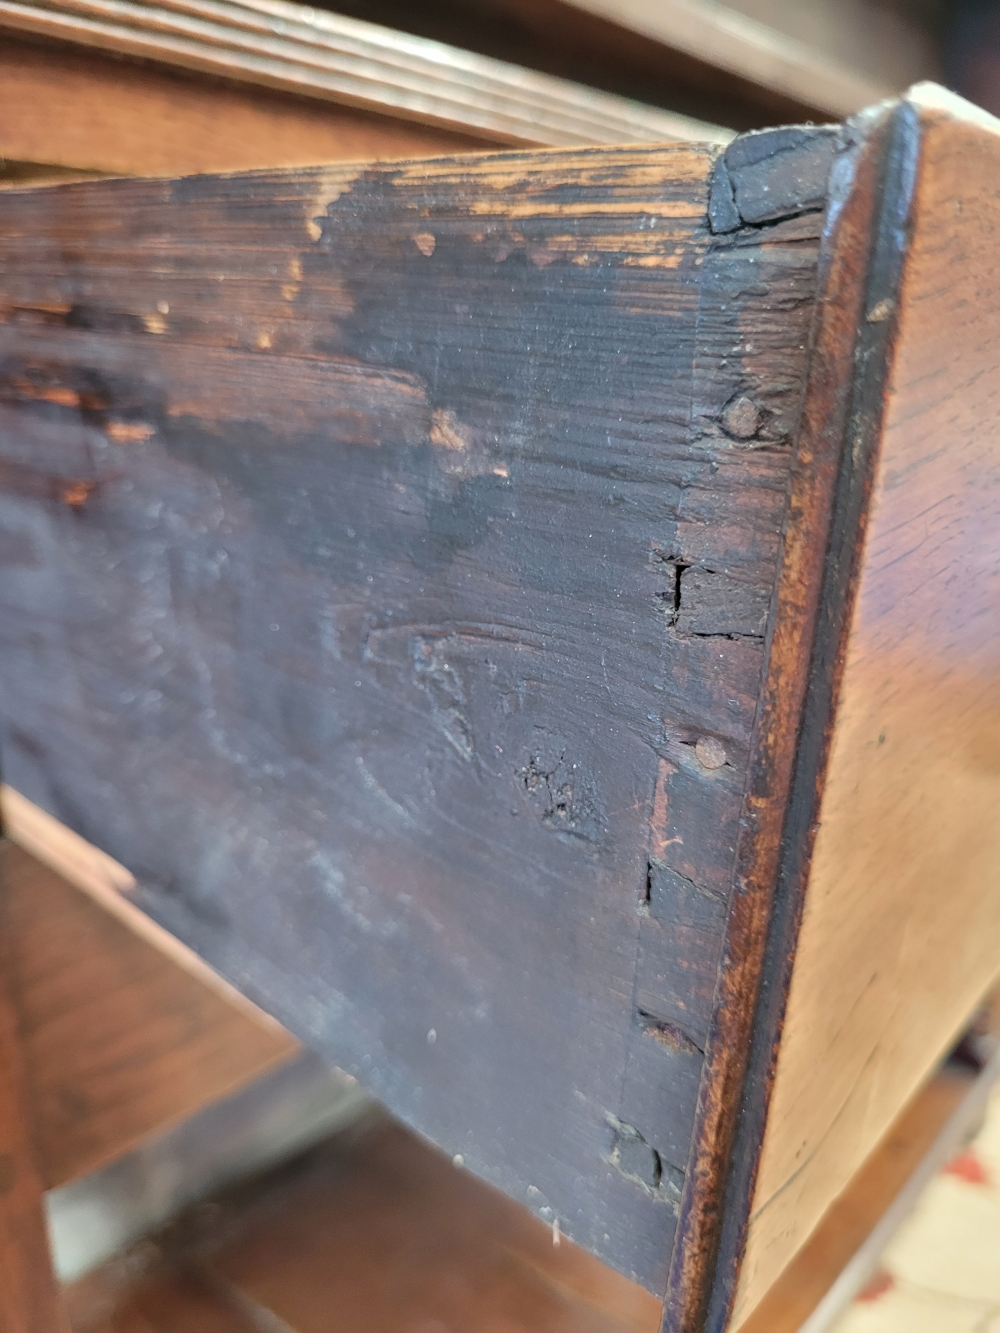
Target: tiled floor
pixel 941 1274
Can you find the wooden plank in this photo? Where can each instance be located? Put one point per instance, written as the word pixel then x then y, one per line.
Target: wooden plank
pixel 856 1214
pixel 410 1232
pixel 900 937
pixel 793 714
pixel 898 45
pixel 109 885
pixel 29 1299
pixel 85 109
pixel 118 1042
pixel 747 63
pixel 471 440
pixel 375 1223
pixel 754 54
pixel 964 1123
pixel 281 45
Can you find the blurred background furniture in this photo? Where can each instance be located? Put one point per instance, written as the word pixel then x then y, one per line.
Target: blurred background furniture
pixel 126 86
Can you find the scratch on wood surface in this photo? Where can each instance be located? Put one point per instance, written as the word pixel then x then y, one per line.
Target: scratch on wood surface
pixel 660 819
pixel 129 432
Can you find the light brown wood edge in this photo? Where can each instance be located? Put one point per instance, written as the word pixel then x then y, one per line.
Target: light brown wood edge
pixel 755 54
pixel 835 446
pixel 103 879
pixel 323 55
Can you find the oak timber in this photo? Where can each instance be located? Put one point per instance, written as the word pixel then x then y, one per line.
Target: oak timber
pixel 377 1226
pixel 856 1215
pixel 904 878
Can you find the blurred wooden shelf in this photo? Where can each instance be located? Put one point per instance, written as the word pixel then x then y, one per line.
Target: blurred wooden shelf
pixel 379 1227
pixel 119 86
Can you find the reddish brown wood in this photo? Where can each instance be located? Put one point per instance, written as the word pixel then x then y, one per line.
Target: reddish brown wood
pixel 900 936
pixel 454 491
pixel 29 1300
pixel 87 109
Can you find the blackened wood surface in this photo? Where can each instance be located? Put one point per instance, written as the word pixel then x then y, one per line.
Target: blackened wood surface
pixel 379 546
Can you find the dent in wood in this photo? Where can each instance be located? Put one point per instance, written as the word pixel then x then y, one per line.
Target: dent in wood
pixel 640 1162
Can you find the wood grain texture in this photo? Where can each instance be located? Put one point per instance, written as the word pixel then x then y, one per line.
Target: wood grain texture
pixel 89 110
pixel 118 1043
pixel 763 915
pixel 405 532
pixel 900 937
pixel 854 1215
pixel 717 62
pixel 29 1298
pixel 310 52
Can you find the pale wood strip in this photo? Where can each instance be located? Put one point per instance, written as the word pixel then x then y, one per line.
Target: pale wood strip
pixel 750 50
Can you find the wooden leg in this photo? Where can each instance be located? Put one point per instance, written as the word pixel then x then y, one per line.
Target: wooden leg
pixel 29 1297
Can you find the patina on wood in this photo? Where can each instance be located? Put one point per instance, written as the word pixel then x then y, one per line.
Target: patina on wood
pixel 387 562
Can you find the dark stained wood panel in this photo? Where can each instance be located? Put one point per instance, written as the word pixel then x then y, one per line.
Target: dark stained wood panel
pixel 387 555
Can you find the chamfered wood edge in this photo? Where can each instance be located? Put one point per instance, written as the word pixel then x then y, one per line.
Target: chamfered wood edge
pixel 860 269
